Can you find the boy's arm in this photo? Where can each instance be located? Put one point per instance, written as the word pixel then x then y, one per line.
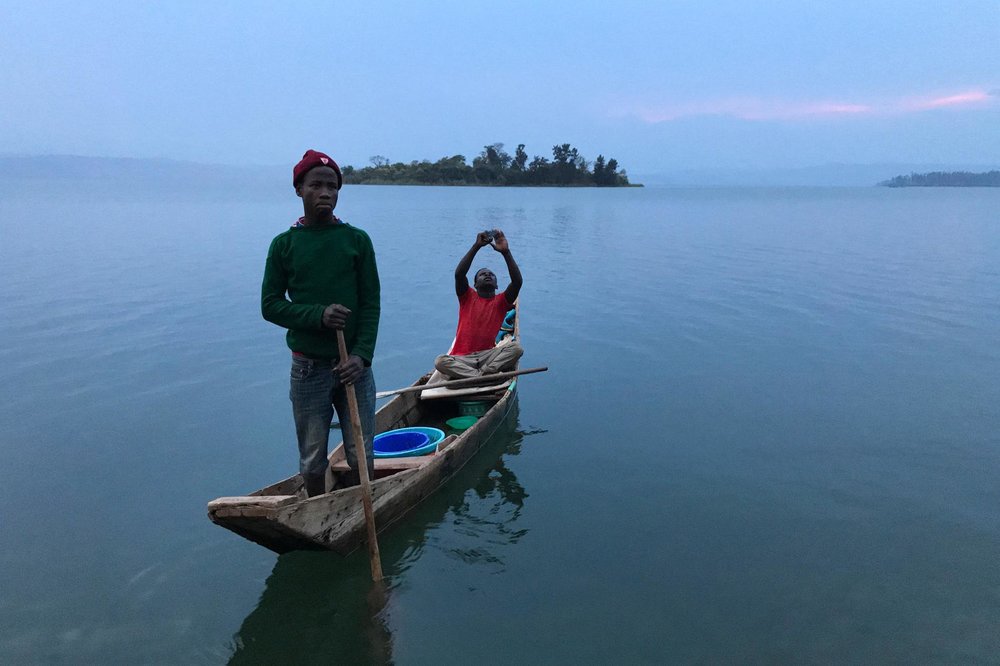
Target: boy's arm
pixel 275 307
pixel 503 247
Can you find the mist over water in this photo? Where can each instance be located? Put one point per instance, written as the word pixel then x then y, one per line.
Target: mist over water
pixel 768 431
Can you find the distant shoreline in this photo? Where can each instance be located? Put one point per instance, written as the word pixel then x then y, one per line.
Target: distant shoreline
pixel 179 174
pixel 498 185
pixel 945 179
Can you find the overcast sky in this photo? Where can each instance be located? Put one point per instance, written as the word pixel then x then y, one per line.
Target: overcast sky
pixel 659 85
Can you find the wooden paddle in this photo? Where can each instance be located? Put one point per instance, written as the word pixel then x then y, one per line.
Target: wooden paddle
pixel 484 380
pixel 362 458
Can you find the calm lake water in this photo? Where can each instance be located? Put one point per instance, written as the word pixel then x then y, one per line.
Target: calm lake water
pixel 769 431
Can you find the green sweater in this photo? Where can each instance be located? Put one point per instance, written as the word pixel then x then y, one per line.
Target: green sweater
pixel 317 266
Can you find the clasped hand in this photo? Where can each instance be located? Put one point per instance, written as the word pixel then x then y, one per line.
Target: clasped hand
pixel 335 316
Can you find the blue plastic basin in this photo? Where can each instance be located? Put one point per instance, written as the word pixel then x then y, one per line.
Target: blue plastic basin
pixel 434 435
pixel 395 444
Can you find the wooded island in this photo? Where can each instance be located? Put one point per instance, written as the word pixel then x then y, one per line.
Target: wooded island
pixel 945 179
pixel 494 166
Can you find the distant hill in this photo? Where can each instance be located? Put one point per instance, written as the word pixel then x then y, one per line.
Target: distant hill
pixel 104 176
pixel 78 166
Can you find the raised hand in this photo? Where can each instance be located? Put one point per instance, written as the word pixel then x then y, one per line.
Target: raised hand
pixel 482 239
pixel 500 241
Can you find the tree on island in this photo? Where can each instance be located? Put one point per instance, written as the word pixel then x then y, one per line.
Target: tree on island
pixel 945 179
pixel 495 166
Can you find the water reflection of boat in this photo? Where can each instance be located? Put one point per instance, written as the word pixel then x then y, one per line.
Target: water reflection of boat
pixel 314 609
pixel 281 518
pixel 313 613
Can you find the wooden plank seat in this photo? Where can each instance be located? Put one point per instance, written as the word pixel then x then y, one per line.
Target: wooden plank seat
pixel 387 464
pixel 263 501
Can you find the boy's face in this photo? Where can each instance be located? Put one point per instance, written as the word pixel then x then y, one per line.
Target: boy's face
pixel 485 279
pixel 319 191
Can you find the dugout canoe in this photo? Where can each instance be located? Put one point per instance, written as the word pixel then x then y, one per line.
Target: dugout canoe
pixel 280 517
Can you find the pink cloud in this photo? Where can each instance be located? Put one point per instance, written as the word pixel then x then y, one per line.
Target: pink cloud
pixel 973 97
pixel 747 109
pixel 776 109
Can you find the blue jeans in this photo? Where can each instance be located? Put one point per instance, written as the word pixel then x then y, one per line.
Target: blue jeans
pixel 315 392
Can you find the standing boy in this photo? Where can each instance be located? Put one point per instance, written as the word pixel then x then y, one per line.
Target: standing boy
pixel 321 277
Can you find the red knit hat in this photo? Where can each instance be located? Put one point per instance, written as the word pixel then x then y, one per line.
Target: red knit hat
pixel 311 160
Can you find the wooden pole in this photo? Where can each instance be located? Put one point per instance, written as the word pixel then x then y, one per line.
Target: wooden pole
pixel 470 382
pixel 362 458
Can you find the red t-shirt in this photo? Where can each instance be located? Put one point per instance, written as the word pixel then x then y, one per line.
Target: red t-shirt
pixel 479 321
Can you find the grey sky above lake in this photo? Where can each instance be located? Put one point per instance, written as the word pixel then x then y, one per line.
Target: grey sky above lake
pixel 658 85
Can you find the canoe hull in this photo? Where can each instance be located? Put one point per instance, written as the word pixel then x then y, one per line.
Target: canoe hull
pixel 280 518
